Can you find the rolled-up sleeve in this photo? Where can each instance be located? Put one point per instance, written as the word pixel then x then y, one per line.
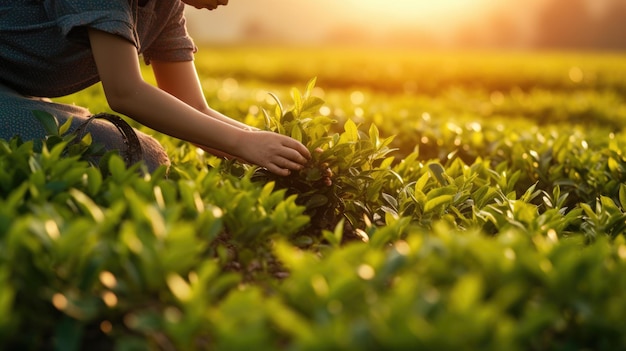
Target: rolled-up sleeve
pixel 173 42
pixel 73 17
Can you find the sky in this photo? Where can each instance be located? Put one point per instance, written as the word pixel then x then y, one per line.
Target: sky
pixel 416 22
pixel 314 22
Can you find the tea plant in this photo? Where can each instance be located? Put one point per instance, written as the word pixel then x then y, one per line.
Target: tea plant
pixel 348 170
pixel 441 210
pixel 108 251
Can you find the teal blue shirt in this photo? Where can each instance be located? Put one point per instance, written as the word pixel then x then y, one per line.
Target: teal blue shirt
pixel 44 48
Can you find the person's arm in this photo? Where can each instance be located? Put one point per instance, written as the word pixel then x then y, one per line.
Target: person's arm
pixel 181 80
pixel 128 94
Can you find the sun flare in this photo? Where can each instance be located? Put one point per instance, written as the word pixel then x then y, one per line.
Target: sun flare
pixel 419 11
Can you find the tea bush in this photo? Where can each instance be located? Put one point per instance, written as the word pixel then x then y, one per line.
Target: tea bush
pixel 405 231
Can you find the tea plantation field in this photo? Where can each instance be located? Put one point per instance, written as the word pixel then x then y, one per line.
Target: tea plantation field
pixel 455 201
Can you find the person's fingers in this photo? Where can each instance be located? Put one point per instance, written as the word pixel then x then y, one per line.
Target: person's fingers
pixel 278 170
pixel 279 154
pixel 289 164
pixel 304 151
pixel 303 154
pixel 293 158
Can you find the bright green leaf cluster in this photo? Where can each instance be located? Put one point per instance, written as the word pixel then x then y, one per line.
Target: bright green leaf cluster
pixel 491 218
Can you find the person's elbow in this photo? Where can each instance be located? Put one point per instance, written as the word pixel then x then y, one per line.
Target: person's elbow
pixel 122 98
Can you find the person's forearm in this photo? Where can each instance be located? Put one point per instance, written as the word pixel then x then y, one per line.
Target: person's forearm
pixel 181 80
pixel 162 112
pixel 219 116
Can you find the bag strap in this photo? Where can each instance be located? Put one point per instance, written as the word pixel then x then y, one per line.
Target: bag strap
pixel 133 152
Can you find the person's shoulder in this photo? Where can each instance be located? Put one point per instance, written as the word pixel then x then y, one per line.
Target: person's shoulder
pixel 168 7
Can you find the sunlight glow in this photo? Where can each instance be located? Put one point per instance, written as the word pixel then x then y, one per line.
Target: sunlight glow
pixel 413 11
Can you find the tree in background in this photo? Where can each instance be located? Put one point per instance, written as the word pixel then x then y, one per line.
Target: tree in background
pixel 570 24
pixel 611 32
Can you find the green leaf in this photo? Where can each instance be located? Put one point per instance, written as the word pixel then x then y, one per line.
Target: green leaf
pixel 391 201
pixel 466 292
pixel 437 202
pixel 66 126
pixel 316 200
pixel 88 205
pixel 439 173
pixel 613 164
pixel 421 183
pixel 334 238
pixel 94 181
pixel 278 104
pixel 351 132
pixel 297 101
pixel 48 122
pixel 374 136
pixel 386 164
pixel 312 104
pixel 309 87
pixel 622 196
pixel 588 210
pixel 116 165
pixel 267 119
pixel 7 298
pixel 296 132
pixel 608 204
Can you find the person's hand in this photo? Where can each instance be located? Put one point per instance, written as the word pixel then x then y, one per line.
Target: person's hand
pixel 278 153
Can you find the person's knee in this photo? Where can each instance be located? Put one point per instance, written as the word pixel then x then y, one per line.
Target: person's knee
pixel 154 154
pixel 115 134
